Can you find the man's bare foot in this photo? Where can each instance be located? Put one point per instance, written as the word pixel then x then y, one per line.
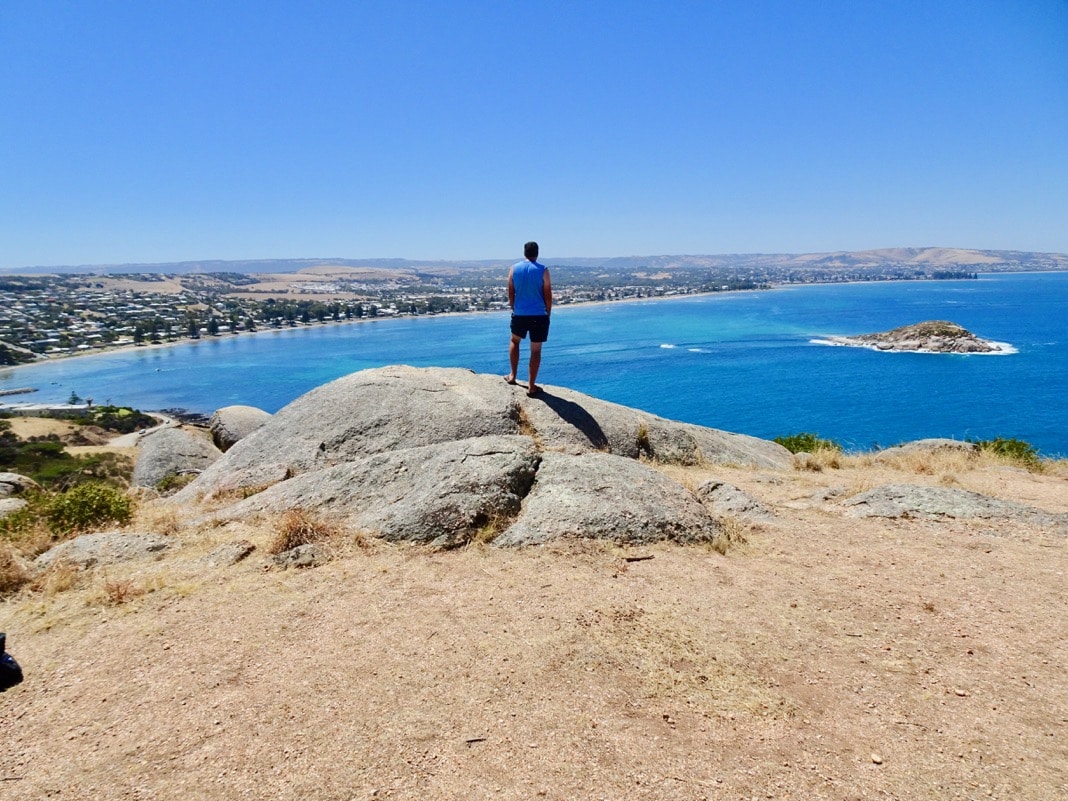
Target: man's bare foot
pixel 509 379
pixel 533 390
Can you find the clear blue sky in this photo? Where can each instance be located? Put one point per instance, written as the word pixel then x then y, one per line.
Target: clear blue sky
pixel 165 131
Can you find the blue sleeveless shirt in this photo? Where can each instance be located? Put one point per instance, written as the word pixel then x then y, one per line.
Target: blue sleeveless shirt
pixel 528 278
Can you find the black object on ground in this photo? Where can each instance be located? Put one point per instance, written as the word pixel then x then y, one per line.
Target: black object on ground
pixel 10 672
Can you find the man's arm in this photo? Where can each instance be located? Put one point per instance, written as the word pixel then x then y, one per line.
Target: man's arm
pixel 511 291
pixel 547 292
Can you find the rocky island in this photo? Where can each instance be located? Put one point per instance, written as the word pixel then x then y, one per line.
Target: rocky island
pixel 933 336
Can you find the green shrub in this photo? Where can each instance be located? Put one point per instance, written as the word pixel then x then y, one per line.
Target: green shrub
pixel 119 419
pixel 807 443
pixel 86 506
pixel 1013 450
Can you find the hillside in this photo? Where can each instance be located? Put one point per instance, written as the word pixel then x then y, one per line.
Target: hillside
pixel 923 257
pixel 825 646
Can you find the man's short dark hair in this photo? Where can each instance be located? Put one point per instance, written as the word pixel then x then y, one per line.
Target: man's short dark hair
pixel 530 250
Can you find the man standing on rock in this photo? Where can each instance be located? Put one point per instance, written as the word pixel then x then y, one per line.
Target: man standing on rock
pixel 530 296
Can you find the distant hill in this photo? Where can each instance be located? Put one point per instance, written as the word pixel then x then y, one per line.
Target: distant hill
pixel 937 258
pixel 931 258
pixel 247 266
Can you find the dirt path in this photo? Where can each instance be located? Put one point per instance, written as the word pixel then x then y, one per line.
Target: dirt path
pixel 830 658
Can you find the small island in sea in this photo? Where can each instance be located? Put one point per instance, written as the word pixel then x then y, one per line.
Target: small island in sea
pixel 932 336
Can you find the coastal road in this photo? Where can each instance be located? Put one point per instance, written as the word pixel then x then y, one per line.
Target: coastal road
pixel 131 440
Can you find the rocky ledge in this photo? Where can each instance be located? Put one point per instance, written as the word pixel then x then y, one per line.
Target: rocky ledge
pixel 933 336
pixel 443 455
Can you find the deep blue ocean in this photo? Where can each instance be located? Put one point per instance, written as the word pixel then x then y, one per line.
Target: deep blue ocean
pixel 740 361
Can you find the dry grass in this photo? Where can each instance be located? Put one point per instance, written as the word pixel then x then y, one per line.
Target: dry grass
pixel 819 460
pixel 672 660
pixel 731 534
pixel 526 428
pixel 298 527
pixel 12 574
pixel 229 495
pixel 689 477
pixel 117 591
pixel 59 577
pixel 30 536
pixel 158 519
pixel 935 462
pixel 489 530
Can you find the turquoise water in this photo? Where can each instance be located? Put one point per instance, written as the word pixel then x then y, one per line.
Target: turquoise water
pixel 738 361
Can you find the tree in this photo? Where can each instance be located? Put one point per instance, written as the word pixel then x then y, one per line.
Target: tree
pixel 213 326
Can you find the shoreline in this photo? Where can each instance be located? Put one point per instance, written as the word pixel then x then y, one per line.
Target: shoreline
pixel 130 347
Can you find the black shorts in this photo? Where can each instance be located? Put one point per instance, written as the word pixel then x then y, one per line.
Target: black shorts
pixel 537 325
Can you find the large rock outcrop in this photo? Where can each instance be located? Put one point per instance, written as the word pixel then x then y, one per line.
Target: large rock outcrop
pixel 602 496
pixel 231 424
pixel 171 452
pixel 446 490
pixel 443 455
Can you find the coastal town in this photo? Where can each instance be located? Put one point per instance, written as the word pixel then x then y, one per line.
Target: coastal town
pixel 46 315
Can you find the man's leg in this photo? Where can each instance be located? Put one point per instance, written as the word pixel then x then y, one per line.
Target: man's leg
pixel 535 363
pixel 513 359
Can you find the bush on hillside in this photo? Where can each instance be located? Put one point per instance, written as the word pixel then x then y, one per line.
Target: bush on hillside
pixel 1013 450
pixel 86 506
pixel 807 443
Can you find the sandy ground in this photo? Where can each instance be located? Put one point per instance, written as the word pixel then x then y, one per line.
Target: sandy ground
pixel 26 427
pixel 827 658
